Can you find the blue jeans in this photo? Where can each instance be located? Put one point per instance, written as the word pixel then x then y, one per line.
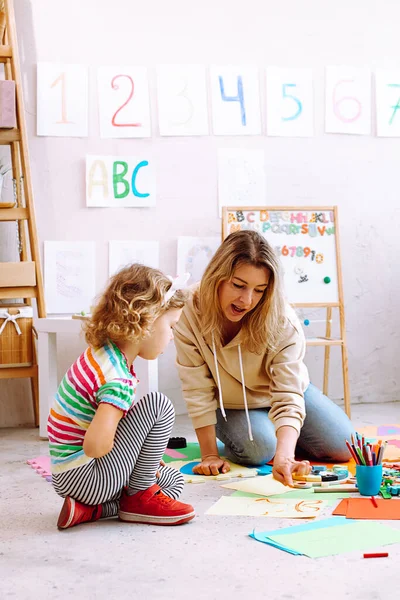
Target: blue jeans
pixel 322 437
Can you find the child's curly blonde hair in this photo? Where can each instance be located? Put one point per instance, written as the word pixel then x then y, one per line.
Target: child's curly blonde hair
pixel 130 304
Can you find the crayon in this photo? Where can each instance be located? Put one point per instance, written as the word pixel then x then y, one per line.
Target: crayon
pixel 377 555
pixel 374 502
pixel 335 488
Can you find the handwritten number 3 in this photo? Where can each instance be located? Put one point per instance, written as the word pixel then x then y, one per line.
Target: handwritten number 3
pixel 115 86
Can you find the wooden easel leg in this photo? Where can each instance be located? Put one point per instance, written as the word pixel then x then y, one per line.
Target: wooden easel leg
pixel 327 349
pixel 346 386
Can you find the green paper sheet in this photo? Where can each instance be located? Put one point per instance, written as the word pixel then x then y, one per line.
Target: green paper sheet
pixel 338 540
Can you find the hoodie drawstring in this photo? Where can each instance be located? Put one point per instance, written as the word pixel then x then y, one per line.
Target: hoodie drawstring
pixel 246 408
pixel 221 403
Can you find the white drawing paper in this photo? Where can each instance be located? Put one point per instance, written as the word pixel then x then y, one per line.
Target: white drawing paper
pixel 348 100
pixel 124 105
pixel 123 253
pixel 69 276
pixel 182 100
pixel 120 181
pixel 62 100
pixel 235 93
pixel 194 254
pixel 290 102
pixel 387 89
pixel 241 177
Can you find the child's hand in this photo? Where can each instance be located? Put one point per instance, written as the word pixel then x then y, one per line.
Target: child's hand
pixel 211 465
pixel 162 464
pixel 284 468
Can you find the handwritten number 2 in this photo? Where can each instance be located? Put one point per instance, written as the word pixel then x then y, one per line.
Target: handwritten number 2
pixel 115 86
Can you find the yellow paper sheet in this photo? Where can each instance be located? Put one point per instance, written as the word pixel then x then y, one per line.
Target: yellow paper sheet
pixel 267 507
pixel 264 486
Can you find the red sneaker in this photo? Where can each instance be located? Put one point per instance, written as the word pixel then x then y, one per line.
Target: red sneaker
pixel 154 508
pixel 74 512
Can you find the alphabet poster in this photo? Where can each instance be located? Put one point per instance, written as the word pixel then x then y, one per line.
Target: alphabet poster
pixel 120 181
pixel 304 240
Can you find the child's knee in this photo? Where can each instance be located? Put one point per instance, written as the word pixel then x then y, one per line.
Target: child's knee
pixel 166 404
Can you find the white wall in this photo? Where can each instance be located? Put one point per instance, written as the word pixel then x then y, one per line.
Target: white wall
pixel 357 173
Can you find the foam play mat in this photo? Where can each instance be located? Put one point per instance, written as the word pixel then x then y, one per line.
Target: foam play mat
pixel 389 433
pixel 386 433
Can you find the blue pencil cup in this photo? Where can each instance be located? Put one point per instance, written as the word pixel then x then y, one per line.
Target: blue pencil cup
pixel 369 479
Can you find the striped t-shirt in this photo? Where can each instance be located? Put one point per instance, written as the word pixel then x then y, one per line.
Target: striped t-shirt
pixel 98 376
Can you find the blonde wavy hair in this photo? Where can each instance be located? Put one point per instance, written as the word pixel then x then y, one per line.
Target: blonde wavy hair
pixel 261 327
pixel 128 307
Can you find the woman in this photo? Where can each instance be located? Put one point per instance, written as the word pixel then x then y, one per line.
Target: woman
pixel 240 350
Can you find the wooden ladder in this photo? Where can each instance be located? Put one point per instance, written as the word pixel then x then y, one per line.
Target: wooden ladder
pixel 20 280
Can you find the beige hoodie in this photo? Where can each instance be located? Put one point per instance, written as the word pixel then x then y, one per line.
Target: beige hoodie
pixel 245 380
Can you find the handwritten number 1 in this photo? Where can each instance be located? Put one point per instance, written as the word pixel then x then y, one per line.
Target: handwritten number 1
pixel 61 79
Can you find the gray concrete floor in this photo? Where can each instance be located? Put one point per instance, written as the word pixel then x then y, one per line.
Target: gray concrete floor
pixel 211 557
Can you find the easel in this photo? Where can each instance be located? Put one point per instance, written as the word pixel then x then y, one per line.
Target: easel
pixel 23 279
pixel 255 217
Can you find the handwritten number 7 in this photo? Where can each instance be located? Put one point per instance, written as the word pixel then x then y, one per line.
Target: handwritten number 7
pixel 298 103
pixel 397 106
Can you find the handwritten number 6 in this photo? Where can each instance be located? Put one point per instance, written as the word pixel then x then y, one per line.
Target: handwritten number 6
pixel 337 103
pixel 115 86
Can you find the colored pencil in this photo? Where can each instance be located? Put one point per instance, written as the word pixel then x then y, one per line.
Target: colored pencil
pixel 352 451
pixel 362 461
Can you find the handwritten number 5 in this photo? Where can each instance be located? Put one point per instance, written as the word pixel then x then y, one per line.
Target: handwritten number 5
pixel 299 104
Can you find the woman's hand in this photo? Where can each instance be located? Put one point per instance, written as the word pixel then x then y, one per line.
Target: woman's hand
pixel 211 465
pixel 284 467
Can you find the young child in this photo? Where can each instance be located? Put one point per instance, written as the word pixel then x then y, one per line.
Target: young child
pixel 106 445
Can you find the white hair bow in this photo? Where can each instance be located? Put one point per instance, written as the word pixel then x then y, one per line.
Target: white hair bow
pixel 178 283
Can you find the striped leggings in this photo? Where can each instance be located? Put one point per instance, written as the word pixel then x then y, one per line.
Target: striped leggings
pixel 139 444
